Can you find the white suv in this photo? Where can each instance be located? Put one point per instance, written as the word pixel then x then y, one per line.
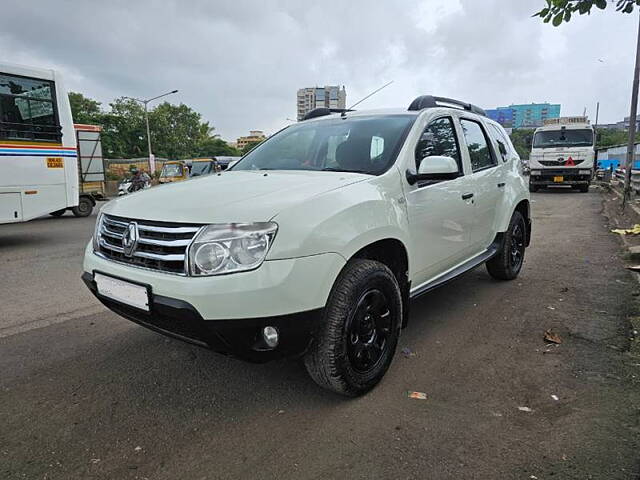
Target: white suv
pixel 315 242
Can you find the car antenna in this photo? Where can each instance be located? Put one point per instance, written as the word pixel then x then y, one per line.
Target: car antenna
pixel 344 113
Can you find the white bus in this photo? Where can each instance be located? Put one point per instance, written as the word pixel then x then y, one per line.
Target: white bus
pixel 38 157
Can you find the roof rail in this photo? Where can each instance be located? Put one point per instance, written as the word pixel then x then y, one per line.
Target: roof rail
pixel 429 101
pixel 324 111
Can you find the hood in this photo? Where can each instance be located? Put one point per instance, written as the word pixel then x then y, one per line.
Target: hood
pixel 242 196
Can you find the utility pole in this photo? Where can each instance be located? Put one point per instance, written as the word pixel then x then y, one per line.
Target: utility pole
pixel 632 124
pixel 146 120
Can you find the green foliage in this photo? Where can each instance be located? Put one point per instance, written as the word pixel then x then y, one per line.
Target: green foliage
pixel 177 131
pixel 249 146
pixel 84 110
pixel 607 137
pixel 521 139
pixel 558 11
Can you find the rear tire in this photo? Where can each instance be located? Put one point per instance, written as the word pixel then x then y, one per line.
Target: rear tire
pixel 507 263
pixel 356 341
pixel 58 213
pixel 84 208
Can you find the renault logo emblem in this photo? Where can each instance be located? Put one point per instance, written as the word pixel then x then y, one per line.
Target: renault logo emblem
pixel 130 239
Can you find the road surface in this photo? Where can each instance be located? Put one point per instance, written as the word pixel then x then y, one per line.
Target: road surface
pixel 86 394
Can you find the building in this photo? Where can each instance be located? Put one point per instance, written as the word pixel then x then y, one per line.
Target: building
pixel 315 97
pixel 255 136
pixel 622 125
pixel 529 115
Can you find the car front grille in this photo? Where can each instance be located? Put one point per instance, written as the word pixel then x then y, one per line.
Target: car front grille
pixel 555 163
pixel 161 245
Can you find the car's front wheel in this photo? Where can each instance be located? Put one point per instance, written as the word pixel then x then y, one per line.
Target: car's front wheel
pixel 507 263
pixel 356 341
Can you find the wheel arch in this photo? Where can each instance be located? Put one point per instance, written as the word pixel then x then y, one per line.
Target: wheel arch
pixel 393 253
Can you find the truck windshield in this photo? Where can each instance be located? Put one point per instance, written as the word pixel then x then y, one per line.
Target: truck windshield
pixel 563 138
pixel 352 144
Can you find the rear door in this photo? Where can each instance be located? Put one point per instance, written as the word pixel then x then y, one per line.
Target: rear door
pixel 440 213
pixel 486 177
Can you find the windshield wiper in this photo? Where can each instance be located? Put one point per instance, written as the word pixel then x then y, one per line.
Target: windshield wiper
pixel 331 169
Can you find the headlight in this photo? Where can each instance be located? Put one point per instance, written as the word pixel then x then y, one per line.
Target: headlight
pixel 535 172
pixel 228 248
pixel 96 233
pixel 584 172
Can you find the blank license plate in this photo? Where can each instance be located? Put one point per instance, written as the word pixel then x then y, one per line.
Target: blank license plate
pixel 558 179
pixel 121 291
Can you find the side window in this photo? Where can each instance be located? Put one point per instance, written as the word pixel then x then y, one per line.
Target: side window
pixel 27 109
pixel 477 144
pixel 439 138
pixel 500 140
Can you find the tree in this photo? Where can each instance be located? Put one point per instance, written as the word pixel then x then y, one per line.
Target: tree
pixel 84 109
pixel 249 146
pixel 123 130
pixel 521 139
pixel 177 131
pixel 213 145
pixel 558 11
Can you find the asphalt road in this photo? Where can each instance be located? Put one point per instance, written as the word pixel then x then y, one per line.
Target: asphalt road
pixel 86 394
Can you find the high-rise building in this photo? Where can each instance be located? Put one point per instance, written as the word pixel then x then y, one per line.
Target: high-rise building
pixel 529 115
pixel 331 96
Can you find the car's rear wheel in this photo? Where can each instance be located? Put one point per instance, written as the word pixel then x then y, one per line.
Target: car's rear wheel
pixel 507 263
pixel 356 341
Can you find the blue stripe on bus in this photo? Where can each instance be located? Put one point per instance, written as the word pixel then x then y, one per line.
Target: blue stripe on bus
pixel 37 154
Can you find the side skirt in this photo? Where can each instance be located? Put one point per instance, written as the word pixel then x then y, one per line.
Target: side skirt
pixel 470 264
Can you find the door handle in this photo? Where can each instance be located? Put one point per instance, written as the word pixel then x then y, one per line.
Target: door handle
pixel 467 196
pixel 501 184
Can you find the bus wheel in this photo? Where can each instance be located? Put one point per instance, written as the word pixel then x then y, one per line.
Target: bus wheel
pixel 84 208
pixel 58 213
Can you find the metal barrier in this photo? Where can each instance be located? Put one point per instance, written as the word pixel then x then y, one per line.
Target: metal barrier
pixel 635 178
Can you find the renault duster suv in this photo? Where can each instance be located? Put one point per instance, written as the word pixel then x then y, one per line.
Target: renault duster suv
pixel 315 242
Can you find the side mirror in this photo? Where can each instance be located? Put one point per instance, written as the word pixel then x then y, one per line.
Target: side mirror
pixel 435 167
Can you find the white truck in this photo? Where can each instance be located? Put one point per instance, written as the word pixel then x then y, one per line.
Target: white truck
pixel 562 153
pixel 314 243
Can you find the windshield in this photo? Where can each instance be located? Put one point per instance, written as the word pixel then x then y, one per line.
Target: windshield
pixel 172 170
pixel 200 168
pixel 563 138
pixel 359 144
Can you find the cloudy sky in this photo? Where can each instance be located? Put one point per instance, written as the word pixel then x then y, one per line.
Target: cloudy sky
pixel 240 62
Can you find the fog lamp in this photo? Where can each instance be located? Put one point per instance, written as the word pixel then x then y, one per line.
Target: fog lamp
pixel 270 336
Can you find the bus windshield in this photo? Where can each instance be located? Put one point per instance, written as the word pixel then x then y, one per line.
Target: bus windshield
pixel 563 138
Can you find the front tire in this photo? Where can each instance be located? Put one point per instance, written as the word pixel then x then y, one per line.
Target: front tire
pixel 356 342
pixel 533 188
pixel 507 263
pixel 584 188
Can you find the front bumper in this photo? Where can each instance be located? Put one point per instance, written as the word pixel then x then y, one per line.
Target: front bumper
pixel 227 313
pixel 239 338
pixel 544 177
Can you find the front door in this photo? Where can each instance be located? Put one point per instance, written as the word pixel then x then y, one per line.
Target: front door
pixel 440 213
